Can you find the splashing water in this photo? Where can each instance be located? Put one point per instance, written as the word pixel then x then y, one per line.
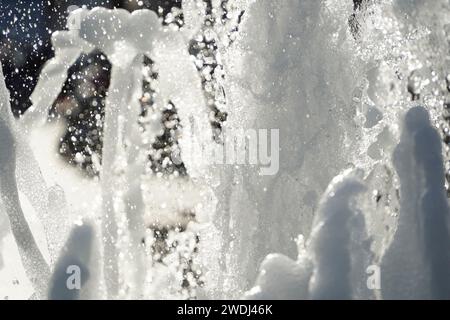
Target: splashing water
pixel 359 93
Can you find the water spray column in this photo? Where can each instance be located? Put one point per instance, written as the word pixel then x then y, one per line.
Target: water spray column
pixel 124 38
pixel 133 198
pixel 36 268
pixel 102 28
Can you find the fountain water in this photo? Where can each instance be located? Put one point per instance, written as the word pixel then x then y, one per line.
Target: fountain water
pixel 359 184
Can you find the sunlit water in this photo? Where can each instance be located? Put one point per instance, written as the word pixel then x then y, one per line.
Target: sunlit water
pixel 360 185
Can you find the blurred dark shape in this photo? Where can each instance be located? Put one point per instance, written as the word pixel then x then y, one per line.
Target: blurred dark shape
pixel 81 102
pixel 353 19
pixel 357 4
pixel 164 145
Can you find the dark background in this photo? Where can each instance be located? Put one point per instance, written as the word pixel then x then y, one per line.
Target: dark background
pixel 26 27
